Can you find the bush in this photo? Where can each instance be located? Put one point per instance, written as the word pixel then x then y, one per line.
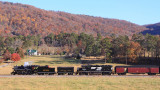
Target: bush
pixel 15 57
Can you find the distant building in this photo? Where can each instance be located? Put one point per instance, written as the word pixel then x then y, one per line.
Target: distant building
pixel 32 52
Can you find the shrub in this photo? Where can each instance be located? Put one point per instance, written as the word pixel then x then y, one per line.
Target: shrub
pixel 15 57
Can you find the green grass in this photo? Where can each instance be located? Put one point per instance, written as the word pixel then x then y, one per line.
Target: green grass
pixel 80 83
pixel 55 60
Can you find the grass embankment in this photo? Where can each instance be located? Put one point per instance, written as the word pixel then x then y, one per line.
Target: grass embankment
pixel 81 83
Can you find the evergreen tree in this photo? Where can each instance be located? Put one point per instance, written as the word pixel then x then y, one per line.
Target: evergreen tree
pixel 106 47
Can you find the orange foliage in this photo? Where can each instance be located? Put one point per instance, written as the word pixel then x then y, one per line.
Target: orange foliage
pixel 21 18
pixel 134 50
pixel 15 57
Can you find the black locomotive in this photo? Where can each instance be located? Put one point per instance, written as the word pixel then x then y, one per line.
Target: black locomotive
pixel 33 69
pixel 25 70
pixel 95 70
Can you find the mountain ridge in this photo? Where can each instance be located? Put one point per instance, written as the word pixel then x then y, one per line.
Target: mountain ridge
pixel 153 29
pixel 22 19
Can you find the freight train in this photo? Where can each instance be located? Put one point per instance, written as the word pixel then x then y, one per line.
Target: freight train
pixel 85 70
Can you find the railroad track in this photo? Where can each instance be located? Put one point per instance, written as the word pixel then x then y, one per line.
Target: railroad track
pixel 54 76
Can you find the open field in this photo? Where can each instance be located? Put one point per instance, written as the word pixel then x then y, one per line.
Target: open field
pixel 72 83
pixel 53 61
pixel 81 83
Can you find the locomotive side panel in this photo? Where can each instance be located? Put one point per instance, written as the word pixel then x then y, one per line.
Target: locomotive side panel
pixel 95 70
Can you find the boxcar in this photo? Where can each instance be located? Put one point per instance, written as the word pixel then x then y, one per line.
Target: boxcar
pixel 121 70
pixel 94 70
pixel 65 70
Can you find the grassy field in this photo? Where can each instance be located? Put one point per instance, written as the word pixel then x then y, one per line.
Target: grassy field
pixel 72 83
pixel 80 83
pixel 52 61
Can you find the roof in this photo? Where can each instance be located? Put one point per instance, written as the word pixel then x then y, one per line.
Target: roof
pixel 31 51
pixel 138 66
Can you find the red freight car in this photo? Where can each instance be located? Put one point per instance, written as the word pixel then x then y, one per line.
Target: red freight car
pixel 121 70
pixel 150 70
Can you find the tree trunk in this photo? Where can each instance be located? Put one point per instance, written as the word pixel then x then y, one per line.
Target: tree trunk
pixel 105 57
pixel 126 59
pixel 144 53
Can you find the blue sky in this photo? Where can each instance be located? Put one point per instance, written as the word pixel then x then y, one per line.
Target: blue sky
pixel 136 11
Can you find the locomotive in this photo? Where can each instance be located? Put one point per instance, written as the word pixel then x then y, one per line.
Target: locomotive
pixel 25 70
pixel 85 70
pixel 95 70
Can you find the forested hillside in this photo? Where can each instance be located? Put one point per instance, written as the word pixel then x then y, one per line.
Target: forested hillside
pixel 19 19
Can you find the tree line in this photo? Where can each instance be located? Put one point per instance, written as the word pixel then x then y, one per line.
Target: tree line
pixel 114 48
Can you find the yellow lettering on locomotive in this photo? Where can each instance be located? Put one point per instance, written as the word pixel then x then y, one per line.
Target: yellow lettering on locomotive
pixel 46 70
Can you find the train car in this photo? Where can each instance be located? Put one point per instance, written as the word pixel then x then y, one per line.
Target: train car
pixel 41 70
pixel 65 70
pixel 150 70
pixel 24 70
pixel 121 70
pixel 94 70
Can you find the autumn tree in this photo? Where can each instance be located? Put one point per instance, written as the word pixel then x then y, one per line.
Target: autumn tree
pixel 7 55
pixel 134 49
pixel 20 52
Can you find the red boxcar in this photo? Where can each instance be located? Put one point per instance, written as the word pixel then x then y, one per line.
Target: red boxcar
pixel 150 70
pixel 153 70
pixel 138 70
pixel 120 70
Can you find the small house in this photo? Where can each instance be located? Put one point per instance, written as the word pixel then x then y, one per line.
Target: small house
pixel 32 52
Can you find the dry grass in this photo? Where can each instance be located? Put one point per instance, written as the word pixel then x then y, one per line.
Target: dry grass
pixel 72 83
pixel 80 83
